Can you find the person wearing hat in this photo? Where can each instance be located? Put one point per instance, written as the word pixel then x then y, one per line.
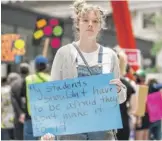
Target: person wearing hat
pixel 142 123
pixel 40 76
pixel 140 76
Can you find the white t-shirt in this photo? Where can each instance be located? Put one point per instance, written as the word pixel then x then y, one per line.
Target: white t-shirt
pixel 91 58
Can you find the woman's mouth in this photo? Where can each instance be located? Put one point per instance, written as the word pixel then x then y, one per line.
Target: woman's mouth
pixel 90 30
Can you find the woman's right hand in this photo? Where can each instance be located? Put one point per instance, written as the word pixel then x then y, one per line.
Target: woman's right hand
pixel 48 136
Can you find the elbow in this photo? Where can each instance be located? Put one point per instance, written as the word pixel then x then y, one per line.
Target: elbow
pixel 122 95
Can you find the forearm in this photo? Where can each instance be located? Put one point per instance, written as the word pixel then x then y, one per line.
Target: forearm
pixel 16 106
pixel 122 95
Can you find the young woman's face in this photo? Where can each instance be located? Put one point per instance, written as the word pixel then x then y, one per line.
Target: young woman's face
pixel 89 25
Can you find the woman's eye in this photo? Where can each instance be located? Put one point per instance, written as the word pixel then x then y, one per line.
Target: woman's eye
pixel 85 20
pixel 95 21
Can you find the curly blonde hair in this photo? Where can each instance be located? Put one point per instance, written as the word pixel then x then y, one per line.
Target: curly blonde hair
pixel 81 8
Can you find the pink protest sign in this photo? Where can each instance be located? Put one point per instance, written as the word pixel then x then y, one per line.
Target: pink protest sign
pixel 154 106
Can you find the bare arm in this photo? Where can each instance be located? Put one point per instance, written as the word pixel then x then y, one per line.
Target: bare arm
pixel 56 67
pixel 122 94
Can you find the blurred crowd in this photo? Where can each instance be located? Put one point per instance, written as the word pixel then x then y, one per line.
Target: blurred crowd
pixel 14 99
pixel 14 102
pixel 84 57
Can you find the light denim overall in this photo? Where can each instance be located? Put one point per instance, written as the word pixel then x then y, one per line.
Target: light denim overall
pixel 95 70
pixel 100 135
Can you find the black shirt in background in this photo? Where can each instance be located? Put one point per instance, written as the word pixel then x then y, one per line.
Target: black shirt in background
pixel 123 106
pixel 123 134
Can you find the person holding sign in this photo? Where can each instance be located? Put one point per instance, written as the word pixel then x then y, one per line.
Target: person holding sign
pixel 155 127
pixel 86 57
pixel 142 122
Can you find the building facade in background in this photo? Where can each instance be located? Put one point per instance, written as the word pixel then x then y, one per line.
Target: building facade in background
pixel 21 20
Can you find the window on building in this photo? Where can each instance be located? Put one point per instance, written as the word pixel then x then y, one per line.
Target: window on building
pixel 152 20
pixel 148 21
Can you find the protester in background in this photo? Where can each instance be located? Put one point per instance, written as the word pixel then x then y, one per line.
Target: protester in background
pixel 158 86
pixel 86 57
pixel 8 115
pixel 155 127
pixel 19 102
pixel 132 121
pixel 130 104
pixel 39 77
pixel 142 127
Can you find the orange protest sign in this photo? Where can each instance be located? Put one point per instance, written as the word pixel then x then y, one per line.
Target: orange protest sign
pixel 11 45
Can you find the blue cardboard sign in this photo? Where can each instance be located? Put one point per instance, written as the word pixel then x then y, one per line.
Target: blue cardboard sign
pixel 73 106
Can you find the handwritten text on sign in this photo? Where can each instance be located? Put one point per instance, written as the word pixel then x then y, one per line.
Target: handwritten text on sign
pixel 74 106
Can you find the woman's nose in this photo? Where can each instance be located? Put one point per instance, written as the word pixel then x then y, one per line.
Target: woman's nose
pixel 90 23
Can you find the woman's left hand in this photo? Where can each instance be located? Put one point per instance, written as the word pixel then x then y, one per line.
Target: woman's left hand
pixel 48 136
pixel 118 83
